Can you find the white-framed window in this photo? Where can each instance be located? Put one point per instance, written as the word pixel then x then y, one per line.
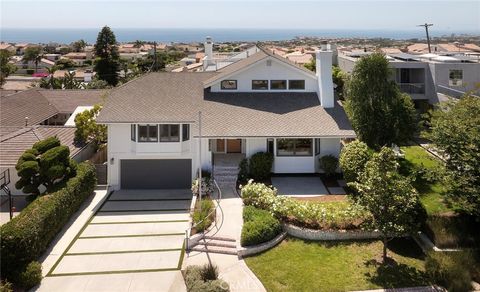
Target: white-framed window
pixel 147 133
pixel 296 84
pixel 169 133
pixel 294 147
pixel 455 77
pixel 259 84
pixel 185 132
pixel 133 132
pixel 278 84
pixel 228 84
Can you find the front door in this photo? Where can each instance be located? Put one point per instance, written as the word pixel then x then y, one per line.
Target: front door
pixel 220 145
pixel 234 145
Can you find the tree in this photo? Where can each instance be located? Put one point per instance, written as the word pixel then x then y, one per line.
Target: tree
pixel 69 81
pixel 312 65
pixel 46 164
pixel 339 78
pixel 34 54
pixel 6 68
pixel 455 131
pixel 65 63
pixel 380 114
pixel 51 82
pixel 138 44
pixel 88 129
pixel 79 46
pixel 97 84
pixel 106 51
pixel 353 158
pixel 390 198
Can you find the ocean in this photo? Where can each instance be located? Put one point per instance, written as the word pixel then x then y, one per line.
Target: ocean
pixel 65 36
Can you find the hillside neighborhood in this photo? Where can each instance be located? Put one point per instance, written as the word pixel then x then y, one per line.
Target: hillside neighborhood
pixel 311 164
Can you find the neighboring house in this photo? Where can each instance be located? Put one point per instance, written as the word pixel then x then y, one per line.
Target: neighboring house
pixel 261 103
pixel 8 47
pixel 79 58
pixel 299 57
pixel 424 76
pixel 80 75
pixel 214 62
pixel 52 57
pixel 24 66
pixel 13 145
pixel 20 48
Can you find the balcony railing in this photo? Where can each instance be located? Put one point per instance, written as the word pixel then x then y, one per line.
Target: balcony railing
pixel 412 88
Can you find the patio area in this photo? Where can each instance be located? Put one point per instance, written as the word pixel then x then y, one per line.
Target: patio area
pixel 304 186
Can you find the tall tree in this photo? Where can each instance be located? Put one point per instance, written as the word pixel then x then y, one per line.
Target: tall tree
pixel 34 54
pixel 6 68
pixel 106 51
pixel 69 81
pixel 389 197
pixel 380 114
pixel 79 45
pixel 455 131
pixel 87 128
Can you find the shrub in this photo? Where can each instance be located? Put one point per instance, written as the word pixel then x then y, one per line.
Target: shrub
pixel 27 236
pixel 6 286
pixel 242 177
pixel 32 276
pixel 207 184
pixel 30 71
pixel 259 226
pixel 452 231
pixel 195 282
pixel 450 270
pixel 353 158
pixel 260 166
pixel 203 214
pixel 209 272
pixel 329 164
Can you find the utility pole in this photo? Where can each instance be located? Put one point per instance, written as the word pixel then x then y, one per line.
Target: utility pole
pixel 200 158
pixel 426 25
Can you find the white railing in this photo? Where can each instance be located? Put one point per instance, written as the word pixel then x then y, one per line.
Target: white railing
pixel 412 88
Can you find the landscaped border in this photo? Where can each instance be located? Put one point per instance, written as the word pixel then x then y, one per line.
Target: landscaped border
pixel 326 235
pixel 258 248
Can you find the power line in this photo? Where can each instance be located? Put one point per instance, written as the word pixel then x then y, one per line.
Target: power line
pixel 426 25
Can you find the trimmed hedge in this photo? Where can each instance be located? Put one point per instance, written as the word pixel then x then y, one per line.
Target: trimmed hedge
pixel 27 236
pixel 196 280
pixel 32 276
pixel 259 226
pixel 260 166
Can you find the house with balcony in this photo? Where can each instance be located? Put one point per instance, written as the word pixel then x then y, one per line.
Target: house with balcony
pixel 426 77
pixel 163 127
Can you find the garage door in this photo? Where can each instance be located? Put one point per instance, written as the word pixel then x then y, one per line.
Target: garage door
pixel 156 174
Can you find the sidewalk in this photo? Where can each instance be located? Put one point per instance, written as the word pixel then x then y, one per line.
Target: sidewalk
pixel 231 269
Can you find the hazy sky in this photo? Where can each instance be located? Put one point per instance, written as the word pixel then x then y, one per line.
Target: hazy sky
pixel 395 15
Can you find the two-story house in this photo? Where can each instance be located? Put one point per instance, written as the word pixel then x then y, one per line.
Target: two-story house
pixel 163 127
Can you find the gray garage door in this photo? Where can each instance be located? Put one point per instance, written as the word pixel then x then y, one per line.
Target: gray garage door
pixel 156 174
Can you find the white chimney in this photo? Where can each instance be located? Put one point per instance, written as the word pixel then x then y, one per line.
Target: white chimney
pixel 209 50
pixel 324 76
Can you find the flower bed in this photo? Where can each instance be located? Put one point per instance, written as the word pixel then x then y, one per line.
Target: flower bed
pixel 313 215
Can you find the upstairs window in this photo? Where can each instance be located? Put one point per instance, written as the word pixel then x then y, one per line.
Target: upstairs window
pixel 455 78
pixel 228 84
pixel 259 84
pixel 185 132
pixel 296 84
pixel 147 133
pixel 278 84
pixel 169 133
pixel 133 132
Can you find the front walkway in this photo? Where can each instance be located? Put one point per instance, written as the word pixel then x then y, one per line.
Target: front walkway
pixel 231 269
pixel 134 242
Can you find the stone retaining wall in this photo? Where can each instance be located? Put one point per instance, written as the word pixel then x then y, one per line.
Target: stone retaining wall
pixel 311 234
pixel 254 249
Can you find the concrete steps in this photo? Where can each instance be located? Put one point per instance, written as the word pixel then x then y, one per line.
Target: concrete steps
pixel 216 244
pixel 225 174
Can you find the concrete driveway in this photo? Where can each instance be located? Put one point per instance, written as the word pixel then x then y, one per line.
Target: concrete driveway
pixel 299 186
pixel 134 232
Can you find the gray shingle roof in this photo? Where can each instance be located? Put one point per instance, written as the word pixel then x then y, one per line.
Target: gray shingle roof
pixel 66 101
pixel 178 97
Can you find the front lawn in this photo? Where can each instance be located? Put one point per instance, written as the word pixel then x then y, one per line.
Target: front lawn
pixel 298 265
pixel 431 193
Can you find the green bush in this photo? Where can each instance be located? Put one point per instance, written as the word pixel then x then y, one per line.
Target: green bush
pixel 30 71
pixel 32 276
pixel 203 213
pixel 195 282
pixel 329 164
pixel 259 226
pixel 6 286
pixel 453 231
pixel 243 175
pixel 450 270
pixel 353 158
pixel 260 166
pixel 209 272
pixel 27 236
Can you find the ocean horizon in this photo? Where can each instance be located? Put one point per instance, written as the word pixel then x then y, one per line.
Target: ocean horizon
pixel 168 35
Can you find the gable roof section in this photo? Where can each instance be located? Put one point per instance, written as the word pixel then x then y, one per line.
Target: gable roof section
pixel 66 101
pixel 250 61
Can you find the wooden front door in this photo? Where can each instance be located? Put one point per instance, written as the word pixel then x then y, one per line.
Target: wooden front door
pixel 234 145
pixel 220 145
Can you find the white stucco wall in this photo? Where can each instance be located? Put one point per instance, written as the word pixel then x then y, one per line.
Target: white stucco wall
pixel 276 71
pixel 254 145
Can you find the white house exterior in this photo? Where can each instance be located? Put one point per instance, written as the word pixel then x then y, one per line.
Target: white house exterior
pixel 263 103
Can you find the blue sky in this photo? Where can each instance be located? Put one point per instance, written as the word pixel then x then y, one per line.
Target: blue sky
pixel 452 16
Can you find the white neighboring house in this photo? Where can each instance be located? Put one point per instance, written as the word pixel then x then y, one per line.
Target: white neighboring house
pixel 261 103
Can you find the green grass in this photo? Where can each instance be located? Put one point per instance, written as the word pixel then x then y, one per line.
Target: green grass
pixel 431 194
pixel 298 265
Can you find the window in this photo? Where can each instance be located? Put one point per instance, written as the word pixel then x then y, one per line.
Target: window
pixel 296 84
pixel 147 133
pixel 185 132
pixel 228 84
pixel 169 133
pixel 278 84
pixel 455 78
pixel 317 146
pixel 260 84
pixel 294 147
pixel 270 145
pixel 133 132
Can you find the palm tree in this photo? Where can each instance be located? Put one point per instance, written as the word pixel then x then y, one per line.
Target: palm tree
pixel 52 82
pixel 33 54
pixel 69 81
